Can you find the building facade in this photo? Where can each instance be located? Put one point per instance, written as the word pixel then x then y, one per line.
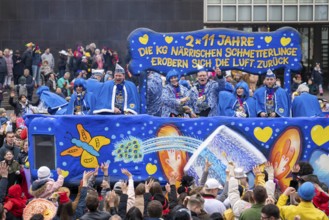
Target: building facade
pixel 309 17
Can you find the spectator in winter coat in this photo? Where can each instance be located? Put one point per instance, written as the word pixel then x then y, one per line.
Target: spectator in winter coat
pixel 49 57
pixel 62 63
pixel 15 202
pixel 18 66
pixel 27 81
pixel 45 186
pixel 9 145
pixel 9 61
pixel 305 208
pixel 36 63
pixel 28 57
pixel 317 77
pixel 3 68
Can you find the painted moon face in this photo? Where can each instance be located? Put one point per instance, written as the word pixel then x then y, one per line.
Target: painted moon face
pixel 285 154
pixel 171 160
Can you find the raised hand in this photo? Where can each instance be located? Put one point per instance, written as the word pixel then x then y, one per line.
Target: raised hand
pixel 173 178
pixel 295 168
pixel 3 169
pixel 127 173
pixel 124 187
pixel 270 170
pixel 85 178
pixel 289 191
pixel 207 165
pixel 96 171
pixel 59 171
pixel 148 185
pixel 105 168
pixel 256 170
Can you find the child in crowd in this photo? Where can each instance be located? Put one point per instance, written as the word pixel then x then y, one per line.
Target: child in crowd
pixel 13 168
pixel 45 186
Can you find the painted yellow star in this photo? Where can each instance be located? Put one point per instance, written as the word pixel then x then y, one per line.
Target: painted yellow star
pixel 197 41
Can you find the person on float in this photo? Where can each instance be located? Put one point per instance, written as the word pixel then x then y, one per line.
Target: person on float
pixel 271 101
pixel 207 94
pixel 237 104
pixel 118 96
pixel 82 102
pixel 305 104
pixel 177 101
pixel 154 93
pixel 49 102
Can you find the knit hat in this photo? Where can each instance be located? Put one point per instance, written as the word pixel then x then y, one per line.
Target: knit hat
pixel 43 172
pixel 63 198
pixel 306 191
pixel 24 134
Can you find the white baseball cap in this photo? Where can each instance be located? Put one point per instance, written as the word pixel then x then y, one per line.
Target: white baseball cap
pixel 213 184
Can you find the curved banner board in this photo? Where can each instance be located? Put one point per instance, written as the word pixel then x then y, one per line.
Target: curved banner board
pixel 147 145
pixel 253 52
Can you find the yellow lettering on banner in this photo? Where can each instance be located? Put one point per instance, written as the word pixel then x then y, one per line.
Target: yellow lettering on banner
pixel 158 61
pixel 189 52
pixel 201 62
pixel 244 62
pixel 274 52
pixel 235 52
pixel 145 51
pixel 161 49
pixel 235 41
pixel 275 61
pixel 222 62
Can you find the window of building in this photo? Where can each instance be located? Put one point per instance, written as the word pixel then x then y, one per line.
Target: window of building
pixel 244 13
pixel 290 13
pixel 264 11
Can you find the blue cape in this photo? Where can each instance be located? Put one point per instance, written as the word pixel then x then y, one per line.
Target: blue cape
pixel 282 101
pixel 306 105
pixel 106 104
pixel 93 86
pixel 51 100
pixel 229 87
pixel 227 102
pixel 88 99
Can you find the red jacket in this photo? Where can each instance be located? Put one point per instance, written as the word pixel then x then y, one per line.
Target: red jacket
pixel 14 201
pixel 321 201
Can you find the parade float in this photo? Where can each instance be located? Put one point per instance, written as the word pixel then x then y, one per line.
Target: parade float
pixel 155 146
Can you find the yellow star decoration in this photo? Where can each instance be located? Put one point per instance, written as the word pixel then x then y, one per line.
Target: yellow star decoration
pixel 87 147
pixel 197 41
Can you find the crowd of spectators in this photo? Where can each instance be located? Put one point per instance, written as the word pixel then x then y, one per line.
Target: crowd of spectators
pixel 180 199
